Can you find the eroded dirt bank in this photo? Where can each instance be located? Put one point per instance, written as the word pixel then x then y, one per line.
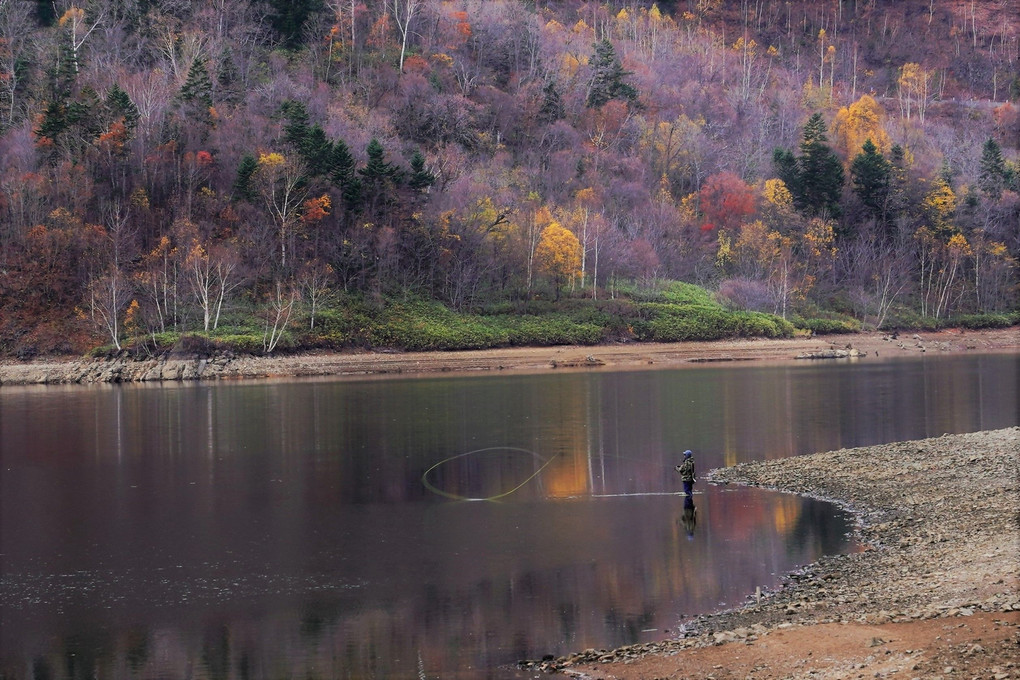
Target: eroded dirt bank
pixel 934 594
pixel 521 359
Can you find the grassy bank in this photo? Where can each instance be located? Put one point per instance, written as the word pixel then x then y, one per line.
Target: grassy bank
pixel 672 312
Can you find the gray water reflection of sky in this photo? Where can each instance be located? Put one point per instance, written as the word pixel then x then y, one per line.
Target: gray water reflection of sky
pixel 283 528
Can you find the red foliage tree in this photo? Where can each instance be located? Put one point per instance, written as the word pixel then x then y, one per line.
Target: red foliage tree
pixel 725 200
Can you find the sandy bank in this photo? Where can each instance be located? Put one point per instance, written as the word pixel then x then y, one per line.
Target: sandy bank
pixel 520 359
pixel 935 593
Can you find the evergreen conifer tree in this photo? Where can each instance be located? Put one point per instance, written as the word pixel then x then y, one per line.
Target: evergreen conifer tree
pixel 378 177
pixel 316 151
pixel 552 104
pixel 992 179
pixel 196 98
pixel 62 74
pixel 343 174
pixel 119 105
pixel 54 121
pixel 197 89
pixel 420 179
pixel 296 128
pixel 45 12
pixel 898 167
pixel 243 188
pixel 288 18
pixel 786 169
pixel 870 174
pixel 228 78
pixel 820 173
pixel 607 80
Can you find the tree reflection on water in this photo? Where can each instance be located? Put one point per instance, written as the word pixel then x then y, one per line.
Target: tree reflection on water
pixel 285 529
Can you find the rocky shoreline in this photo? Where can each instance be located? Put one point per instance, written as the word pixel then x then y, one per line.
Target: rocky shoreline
pixel 227 365
pixel 939 520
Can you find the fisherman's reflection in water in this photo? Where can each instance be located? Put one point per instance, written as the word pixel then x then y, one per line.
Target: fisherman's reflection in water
pixel 689 518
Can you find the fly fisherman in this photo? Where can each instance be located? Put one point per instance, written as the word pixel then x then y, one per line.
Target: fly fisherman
pixel 686 470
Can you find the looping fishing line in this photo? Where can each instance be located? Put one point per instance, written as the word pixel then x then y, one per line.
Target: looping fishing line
pixel 457 497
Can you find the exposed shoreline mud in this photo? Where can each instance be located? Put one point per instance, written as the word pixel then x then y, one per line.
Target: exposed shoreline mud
pixel 632 356
pixel 934 594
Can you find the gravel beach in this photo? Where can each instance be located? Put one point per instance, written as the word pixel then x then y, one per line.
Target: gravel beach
pixel 935 592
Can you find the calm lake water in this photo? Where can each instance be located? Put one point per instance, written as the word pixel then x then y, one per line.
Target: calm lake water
pixel 334 529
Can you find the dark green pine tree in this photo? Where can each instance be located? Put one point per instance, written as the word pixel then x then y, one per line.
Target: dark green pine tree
pixel 420 178
pixel 870 175
pixel 343 174
pixel 196 93
pixel 119 105
pixel 45 12
pixel 898 178
pixel 197 88
pixel 228 78
pixel 296 128
pixel 379 178
pixel 992 178
pixel 54 121
pixel 243 188
pixel 785 164
pixel 62 74
pixel 552 104
pixel 84 116
pixel 607 79
pixel 316 151
pixel 72 125
pixel 820 173
pixel 288 18
pixel 946 173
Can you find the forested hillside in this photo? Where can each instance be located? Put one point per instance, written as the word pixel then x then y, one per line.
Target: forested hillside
pixel 168 165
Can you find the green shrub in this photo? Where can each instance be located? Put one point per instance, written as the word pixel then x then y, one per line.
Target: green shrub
pixel 829 326
pixel 551 330
pixel 675 292
pixel 197 344
pixel 681 293
pixel 676 323
pixel 978 321
pixel 163 340
pixel 251 343
pixel 102 352
pixel 761 325
pixel 422 326
pixel 904 319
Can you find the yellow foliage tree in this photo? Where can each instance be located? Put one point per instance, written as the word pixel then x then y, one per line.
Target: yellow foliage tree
pixel 78 30
pixel 859 122
pixel 675 148
pixel 819 239
pixel 818 250
pixel 914 90
pixel 764 255
pixel 939 206
pixel 994 271
pixel 558 254
pixel 280 182
pixel 754 251
pixel 777 194
pixel 940 262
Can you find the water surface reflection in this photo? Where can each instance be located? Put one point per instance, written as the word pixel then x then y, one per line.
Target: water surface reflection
pixel 284 529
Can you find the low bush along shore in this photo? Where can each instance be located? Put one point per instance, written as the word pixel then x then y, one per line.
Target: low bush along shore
pixel 933 593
